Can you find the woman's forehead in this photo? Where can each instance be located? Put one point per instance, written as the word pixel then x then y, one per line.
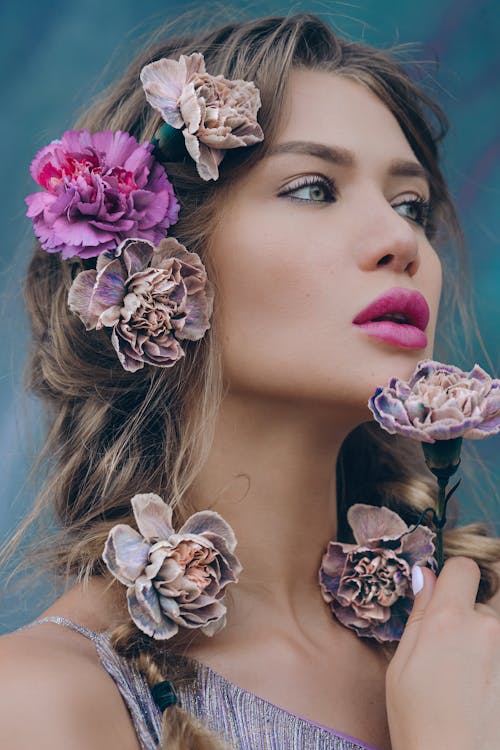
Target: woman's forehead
pixel 337 111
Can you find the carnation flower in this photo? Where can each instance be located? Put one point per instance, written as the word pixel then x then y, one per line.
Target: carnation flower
pixel 174 579
pixel 368 584
pixel 99 189
pixel 439 402
pixel 216 113
pixel 151 298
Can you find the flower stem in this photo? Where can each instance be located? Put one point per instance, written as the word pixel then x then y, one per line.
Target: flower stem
pixel 442 459
pixel 440 517
pixel 441 520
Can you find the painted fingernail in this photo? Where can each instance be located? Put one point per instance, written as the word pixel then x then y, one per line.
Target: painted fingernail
pixel 417 579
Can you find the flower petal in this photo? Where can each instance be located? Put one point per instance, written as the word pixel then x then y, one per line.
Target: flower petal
pixel 136 254
pixel 210 521
pixel 147 615
pixel 418 546
pixel 213 627
pixel 153 516
pixel 163 82
pixel 370 522
pixel 80 298
pixel 125 553
pixel 332 568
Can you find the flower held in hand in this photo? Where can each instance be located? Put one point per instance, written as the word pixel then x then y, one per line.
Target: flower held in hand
pixel 152 298
pixel 99 189
pixel 439 406
pixel 439 402
pixel 367 584
pixel 174 579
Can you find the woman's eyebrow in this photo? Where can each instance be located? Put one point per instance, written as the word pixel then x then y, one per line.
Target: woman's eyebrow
pixel 345 158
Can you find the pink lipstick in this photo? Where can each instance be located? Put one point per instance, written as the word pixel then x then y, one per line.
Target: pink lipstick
pixel 398 316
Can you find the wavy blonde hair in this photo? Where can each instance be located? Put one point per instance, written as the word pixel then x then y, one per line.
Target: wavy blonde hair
pixel 113 434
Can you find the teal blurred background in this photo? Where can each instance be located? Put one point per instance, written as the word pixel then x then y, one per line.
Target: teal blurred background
pixel 56 56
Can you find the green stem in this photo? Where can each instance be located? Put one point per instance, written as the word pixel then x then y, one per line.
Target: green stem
pixel 443 459
pixel 441 520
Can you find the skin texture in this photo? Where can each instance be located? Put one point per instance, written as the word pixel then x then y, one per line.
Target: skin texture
pixel 443 684
pixel 293 271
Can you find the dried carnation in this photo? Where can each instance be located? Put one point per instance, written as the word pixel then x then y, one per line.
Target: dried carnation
pixel 439 402
pixel 174 579
pixel 216 113
pixel 151 298
pixel 99 189
pixel 368 584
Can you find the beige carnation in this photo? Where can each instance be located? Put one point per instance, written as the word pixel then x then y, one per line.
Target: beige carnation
pixel 217 114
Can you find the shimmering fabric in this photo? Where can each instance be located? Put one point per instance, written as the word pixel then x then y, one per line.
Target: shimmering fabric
pixel 252 723
pixel 245 720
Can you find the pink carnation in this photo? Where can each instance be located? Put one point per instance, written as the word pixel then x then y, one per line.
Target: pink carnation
pixel 99 189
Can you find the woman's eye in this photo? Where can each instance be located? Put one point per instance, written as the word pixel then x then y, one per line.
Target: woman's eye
pixel 313 191
pixel 415 209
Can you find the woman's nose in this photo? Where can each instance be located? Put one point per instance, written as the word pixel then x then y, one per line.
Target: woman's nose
pixel 388 239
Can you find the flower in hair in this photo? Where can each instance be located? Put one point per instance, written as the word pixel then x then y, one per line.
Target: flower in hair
pixel 174 579
pixel 99 189
pixel 368 584
pixel 215 113
pixel 439 402
pixel 151 298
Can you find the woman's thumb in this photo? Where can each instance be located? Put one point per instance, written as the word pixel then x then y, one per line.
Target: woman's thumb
pixel 423 582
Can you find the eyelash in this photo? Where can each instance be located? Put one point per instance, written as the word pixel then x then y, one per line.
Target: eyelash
pixel 422 206
pixel 309 182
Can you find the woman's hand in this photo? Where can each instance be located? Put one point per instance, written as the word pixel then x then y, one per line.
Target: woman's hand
pixel 443 683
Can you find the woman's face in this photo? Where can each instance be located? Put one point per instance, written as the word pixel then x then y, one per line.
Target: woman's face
pixel 309 237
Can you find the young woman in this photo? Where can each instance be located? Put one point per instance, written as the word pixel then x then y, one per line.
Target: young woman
pixel 334 199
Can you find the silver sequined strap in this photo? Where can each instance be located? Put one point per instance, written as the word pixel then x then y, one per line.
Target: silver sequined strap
pixel 67 623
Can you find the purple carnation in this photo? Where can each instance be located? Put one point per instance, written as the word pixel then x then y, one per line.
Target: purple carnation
pixel 439 402
pixel 99 189
pixel 368 584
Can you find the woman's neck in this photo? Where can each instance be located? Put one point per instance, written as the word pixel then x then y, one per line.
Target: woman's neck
pixel 271 475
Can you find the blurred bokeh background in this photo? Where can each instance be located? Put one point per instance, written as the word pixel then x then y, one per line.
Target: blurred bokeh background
pixel 56 56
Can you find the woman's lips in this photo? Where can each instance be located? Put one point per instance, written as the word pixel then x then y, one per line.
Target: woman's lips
pixel 400 334
pixel 407 305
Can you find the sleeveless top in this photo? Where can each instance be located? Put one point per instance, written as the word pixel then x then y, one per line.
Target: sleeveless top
pixel 246 721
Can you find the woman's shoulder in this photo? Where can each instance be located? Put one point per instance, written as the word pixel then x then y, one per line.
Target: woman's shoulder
pixel 52 686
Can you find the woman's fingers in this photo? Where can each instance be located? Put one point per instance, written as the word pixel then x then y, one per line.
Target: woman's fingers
pixel 412 627
pixel 443 683
pixel 455 588
pixel 456 585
